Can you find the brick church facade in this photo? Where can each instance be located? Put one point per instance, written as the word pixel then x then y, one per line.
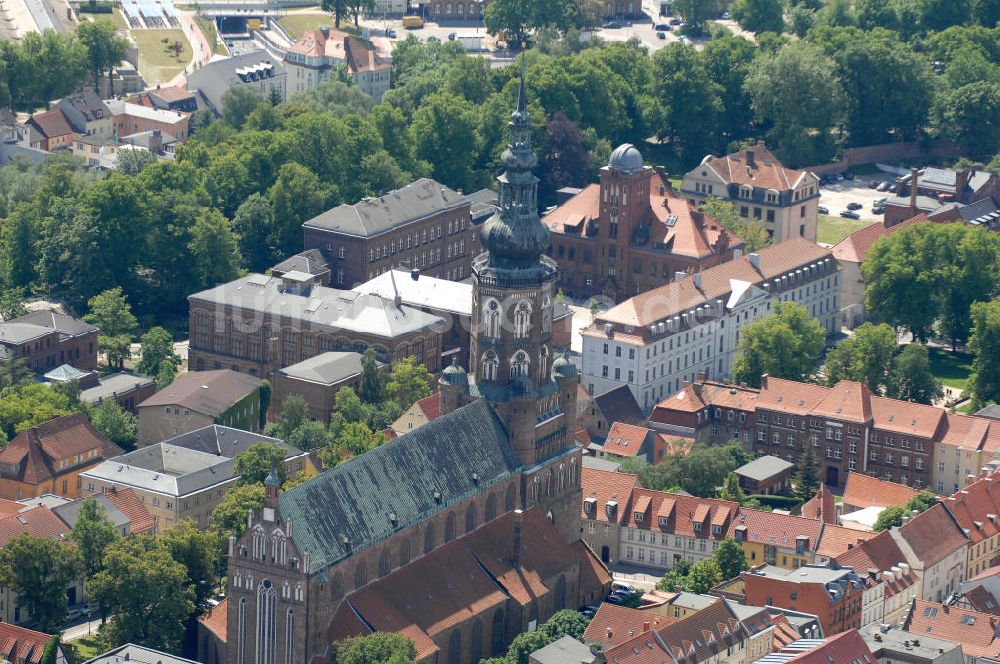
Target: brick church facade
pixel 460 534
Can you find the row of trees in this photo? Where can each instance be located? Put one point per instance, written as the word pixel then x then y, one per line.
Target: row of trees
pixel 700 471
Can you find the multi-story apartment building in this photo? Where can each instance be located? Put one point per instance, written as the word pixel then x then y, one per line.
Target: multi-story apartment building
pixel 975 632
pixel 779 540
pixel 967 444
pixel 258 324
pixel 976 509
pixel 659 528
pixel 606 497
pixel 935 546
pixel 834 595
pixel 849 427
pixel 889 580
pixel 423 226
pixel 761 189
pixel 630 233
pixel 313 58
pixel 655 341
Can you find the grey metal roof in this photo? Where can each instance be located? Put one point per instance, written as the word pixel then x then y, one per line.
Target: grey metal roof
pixel 374 216
pixel 352 506
pixel 139 655
pixel 114 384
pixel 64 373
pixel 227 442
pixel 764 468
pixel 424 291
pixel 626 158
pixel 310 261
pixel 167 469
pixel 17 333
pixel 600 464
pixel 212 79
pixel 981 207
pixel 67 325
pixel 619 405
pixel 321 306
pixel 326 368
pixel 924 203
pixel 70 512
pixel 566 650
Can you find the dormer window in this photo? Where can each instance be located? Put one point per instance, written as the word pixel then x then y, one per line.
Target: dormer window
pixel 716 530
pixel 663 521
pixel 696 526
pixel 638 517
pixel 610 508
pixel 589 504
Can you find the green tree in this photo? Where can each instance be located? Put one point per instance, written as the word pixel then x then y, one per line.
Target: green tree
pixel 131 162
pixel 294 411
pixel 229 518
pixel 28 404
pixel 375 648
pixel 348 404
pixel 112 315
pixel 786 344
pixel 731 489
pixel 806 480
pixel 565 622
pixel 214 250
pixel 166 374
pixel 866 356
pixel 147 593
pixel 254 225
pixel 93 533
pixel 117 424
pixel 872 14
pixel 238 102
pixel 727 59
pixel 254 464
pixel 39 570
pixel 912 378
pixel 921 502
pixel 730 558
pixel 688 101
pixel 760 15
pixel 156 346
pixel 700 472
pixel 984 383
pixel 309 436
pixel 336 7
pixel 105 49
pixel 696 13
pixel 675 578
pixel 890 517
pixel 195 549
pixel 444 134
pixel 296 197
pixel 704 575
pixel 409 381
pixel 970 116
pixel 51 653
pixel 371 377
pixel 753 234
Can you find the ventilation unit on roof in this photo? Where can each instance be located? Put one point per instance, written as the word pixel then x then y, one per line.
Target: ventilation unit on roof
pixel 671 220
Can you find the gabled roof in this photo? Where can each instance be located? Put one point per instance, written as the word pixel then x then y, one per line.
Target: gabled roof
pixel 982 600
pixel 128 503
pixel 138 654
pixel 865 491
pixel 214 620
pixel 51 124
pixel 844 648
pixel 210 393
pixel 37 521
pixel 763 170
pixel 716 282
pixel 619 405
pixel 614 624
pixel 603 486
pixel 677 513
pixel 855 247
pixel 626 440
pixel 821 506
pixel 972 629
pixel 226 441
pixel 881 553
pixel 837 540
pixel 346 508
pixel 846 400
pixel 310 261
pixel 764 468
pixel 326 368
pixel 373 216
pixel 21 645
pixel 35 450
pixel 977 508
pixel 933 535
pixel 66 325
pixel 776 529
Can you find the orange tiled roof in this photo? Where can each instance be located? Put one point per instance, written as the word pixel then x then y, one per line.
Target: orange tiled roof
pixel 431 406
pixel 676 513
pixel 821 506
pixel 969 628
pixel 38 521
pixel 625 440
pixel 602 486
pixel 766 172
pixel 844 648
pixel 18 644
pixel 977 508
pixel 593 573
pixel 35 449
pixel 779 530
pixel 863 491
pixel 854 248
pixel 215 618
pixel 128 503
pixel 981 600
pixel 614 624
pixel 933 535
pixel 837 540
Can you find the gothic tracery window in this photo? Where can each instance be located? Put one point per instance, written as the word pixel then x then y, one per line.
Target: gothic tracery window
pixel 491 318
pixel 490 365
pixel 266 621
pixel 519 365
pixel 522 319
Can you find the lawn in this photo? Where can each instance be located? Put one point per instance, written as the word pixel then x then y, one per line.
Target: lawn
pixel 952 369
pixel 157 62
pixel 831 230
pixel 208 29
pixel 85 647
pixel 296 24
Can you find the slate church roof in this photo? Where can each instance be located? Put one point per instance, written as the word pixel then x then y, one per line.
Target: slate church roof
pixel 399 483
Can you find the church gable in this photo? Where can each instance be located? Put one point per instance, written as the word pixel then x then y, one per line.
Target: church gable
pixel 398 484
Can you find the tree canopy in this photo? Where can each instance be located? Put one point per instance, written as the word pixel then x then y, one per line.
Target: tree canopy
pixel 785 344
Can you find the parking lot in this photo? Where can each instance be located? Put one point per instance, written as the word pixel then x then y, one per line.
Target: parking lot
pixel 835 196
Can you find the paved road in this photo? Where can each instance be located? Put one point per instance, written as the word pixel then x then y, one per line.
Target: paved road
pixel 81 630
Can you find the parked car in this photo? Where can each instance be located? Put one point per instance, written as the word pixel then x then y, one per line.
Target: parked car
pixel 675 21
pixel 74 614
pixel 661 35
pixel 854 205
pixel 622 587
pixel 884 186
pixel 878 209
pixel 725 16
pixel 391 33
pixel 684 39
pixel 872 184
pixel 822 209
pixel 451 36
pixel 613 25
pixel 839 177
pixel 847 214
pixel 661 26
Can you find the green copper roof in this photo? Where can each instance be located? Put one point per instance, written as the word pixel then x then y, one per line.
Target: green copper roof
pixel 370 497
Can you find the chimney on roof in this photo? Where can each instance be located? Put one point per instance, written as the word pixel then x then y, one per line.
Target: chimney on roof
pixel 696 277
pixel 518 525
pixel 754 260
pixel 763 381
pixel 750 158
pixel 678 275
pixel 914 181
pixel 701 376
pixel 610 633
pixel 645 626
pixel 415 273
pixel 961 182
pixel 325 30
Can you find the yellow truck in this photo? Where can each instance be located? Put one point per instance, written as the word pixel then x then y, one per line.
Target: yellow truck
pixel 412 22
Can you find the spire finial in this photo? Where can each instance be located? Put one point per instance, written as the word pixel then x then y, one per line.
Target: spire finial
pixel 522 101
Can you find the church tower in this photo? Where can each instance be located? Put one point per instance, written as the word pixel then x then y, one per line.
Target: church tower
pixel 512 361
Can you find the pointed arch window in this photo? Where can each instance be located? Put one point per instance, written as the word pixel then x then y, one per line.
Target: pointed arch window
pixel 470 518
pixel 491 318
pixel 510 498
pixel 497 635
pixel 449 527
pixel 491 507
pixel 384 563
pixel 519 365
pixel 522 319
pixel 543 364
pixel 266 622
pixel 241 637
pixel 476 643
pixel 290 636
pixel 360 575
pixel 490 365
pixel 429 538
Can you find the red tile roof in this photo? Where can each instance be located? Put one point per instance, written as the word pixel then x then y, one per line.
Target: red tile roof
pixel 36 450
pixel 614 624
pixel 844 648
pixel 626 440
pixel 593 573
pixel 763 170
pixel 51 124
pixel 846 400
pixel 821 506
pixel 431 406
pixel 602 486
pixel 982 600
pixel 969 628
pixel 676 514
pixel 38 521
pixel 18 644
pixel 933 535
pixel 128 503
pixel 837 540
pixel 214 620
pixel 783 633
pixel 854 248
pixel 880 553
pixel 977 508
pixel 779 530
pixel 863 491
